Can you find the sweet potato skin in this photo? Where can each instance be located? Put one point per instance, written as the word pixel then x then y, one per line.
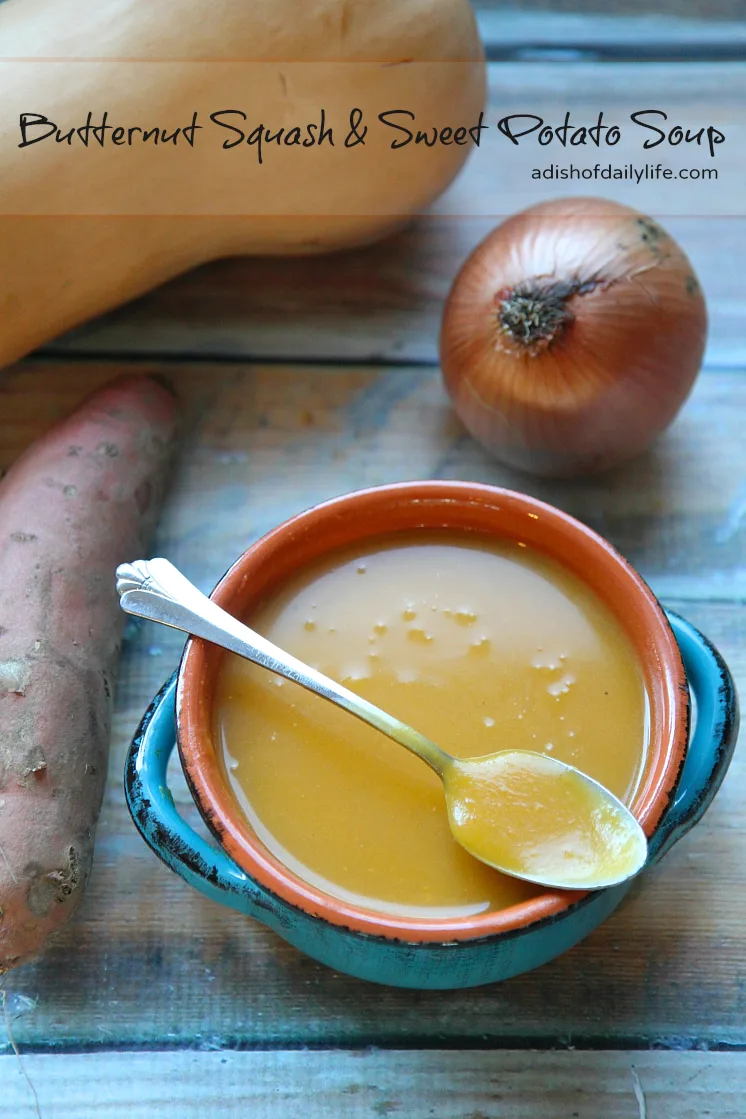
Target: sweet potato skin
pixel 81 500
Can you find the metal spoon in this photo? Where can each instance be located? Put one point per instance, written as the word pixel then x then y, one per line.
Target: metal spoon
pixel 519 811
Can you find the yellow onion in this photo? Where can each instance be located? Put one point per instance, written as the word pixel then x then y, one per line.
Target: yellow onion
pixel 572 336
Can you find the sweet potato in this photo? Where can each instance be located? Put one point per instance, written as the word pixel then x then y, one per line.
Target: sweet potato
pixel 77 503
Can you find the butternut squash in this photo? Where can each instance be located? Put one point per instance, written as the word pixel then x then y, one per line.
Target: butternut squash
pixel 83 229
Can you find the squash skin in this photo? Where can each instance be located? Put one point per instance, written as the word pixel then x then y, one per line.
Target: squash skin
pixel 80 235
pixel 78 502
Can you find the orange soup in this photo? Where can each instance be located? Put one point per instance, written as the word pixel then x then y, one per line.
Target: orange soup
pixel 481 646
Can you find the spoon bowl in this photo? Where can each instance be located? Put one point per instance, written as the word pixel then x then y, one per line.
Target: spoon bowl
pixel 537 818
pixel 521 812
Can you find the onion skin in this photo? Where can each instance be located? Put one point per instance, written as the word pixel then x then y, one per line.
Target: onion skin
pixel 572 336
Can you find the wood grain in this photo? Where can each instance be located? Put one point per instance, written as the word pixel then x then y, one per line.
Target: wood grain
pixel 149 961
pixel 401 1085
pixel 673 10
pixel 270 440
pixel 626 30
pixel 383 303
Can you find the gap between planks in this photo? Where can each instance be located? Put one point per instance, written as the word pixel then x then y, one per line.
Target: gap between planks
pixel 332 364
pixel 377 1085
pixel 571 36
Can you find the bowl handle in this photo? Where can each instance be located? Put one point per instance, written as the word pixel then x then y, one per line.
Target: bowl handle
pixel 209 869
pixel 713 740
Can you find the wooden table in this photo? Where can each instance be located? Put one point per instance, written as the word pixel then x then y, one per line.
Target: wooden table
pixel 305 379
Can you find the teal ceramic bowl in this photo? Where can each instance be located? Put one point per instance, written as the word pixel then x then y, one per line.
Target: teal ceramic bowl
pixel 236 874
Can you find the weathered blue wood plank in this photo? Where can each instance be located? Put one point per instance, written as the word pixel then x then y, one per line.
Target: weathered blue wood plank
pixel 415 1084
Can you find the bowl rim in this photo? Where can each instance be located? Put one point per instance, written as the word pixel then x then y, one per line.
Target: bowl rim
pixel 460 506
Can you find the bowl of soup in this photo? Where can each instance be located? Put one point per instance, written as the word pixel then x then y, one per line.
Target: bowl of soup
pixel 483 618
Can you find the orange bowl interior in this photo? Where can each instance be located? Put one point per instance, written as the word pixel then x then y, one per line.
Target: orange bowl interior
pixel 462 507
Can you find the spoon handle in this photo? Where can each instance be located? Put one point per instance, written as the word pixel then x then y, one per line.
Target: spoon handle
pixel 156 590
